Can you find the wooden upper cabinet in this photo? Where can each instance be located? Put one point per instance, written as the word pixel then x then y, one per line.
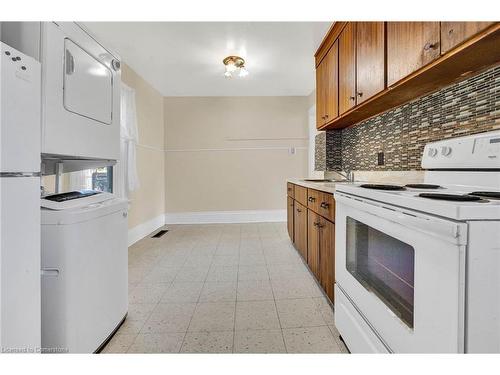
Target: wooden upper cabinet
pixel 320 94
pixel 370 59
pixel 332 83
pixel 454 33
pixel 410 46
pixel 347 68
pixel 382 65
pixel 327 85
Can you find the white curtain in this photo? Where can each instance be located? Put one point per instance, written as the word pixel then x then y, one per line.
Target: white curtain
pixel 128 180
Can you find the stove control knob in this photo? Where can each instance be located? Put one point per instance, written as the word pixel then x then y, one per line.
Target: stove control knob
pixel 446 151
pixel 432 152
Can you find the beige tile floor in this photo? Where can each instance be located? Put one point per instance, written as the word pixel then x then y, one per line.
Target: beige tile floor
pixel 223 288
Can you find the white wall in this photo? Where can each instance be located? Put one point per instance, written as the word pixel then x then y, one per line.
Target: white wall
pixel 233 153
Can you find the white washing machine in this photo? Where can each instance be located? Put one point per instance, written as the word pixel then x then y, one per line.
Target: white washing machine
pixel 84 270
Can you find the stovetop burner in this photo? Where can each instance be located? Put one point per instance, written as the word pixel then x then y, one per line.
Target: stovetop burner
pixel 486 194
pixel 451 197
pixel 382 187
pixel 423 186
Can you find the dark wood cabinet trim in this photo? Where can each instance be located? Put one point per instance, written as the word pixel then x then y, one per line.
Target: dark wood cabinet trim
pixel 328 41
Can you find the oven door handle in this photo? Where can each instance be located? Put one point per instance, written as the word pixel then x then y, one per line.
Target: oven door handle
pixel 445 229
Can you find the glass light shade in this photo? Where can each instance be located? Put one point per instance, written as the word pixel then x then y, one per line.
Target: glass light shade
pixel 230 67
pixel 243 72
pixel 228 74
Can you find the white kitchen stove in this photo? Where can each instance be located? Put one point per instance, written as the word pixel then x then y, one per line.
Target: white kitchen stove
pixel 416 271
pixel 478 208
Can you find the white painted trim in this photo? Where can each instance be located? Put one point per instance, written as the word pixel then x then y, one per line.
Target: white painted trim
pixel 142 230
pixel 213 217
pixel 312 138
pixel 238 149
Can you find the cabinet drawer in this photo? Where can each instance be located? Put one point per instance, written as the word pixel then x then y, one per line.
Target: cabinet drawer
pixel 313 199
pixel 290 189
pixel 321 203
pixel 326 206
pixel 300 194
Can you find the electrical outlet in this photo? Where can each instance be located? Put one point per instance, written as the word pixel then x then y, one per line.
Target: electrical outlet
pixel 380 158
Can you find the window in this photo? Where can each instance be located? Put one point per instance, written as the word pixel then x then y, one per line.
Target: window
pixel 100 179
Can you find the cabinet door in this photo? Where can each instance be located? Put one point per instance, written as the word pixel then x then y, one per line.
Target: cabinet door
pixel 313 242
pixel 347 68
pixel 327 256
pixel 290 189
pixel 410 46
pixel 370 59
pixel 332 83
pixel 289 211
pixel 300 229
pixel 454 33
pixel 320 94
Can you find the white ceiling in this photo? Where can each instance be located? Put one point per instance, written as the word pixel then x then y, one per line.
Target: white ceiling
pixel 185 58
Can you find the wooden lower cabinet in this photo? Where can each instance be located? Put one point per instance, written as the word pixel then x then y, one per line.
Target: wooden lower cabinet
pixel 312 231
pixel 327 256
pixel 313 242
pixel 290 189
pixel 289 215
pixel 300 229
pixel 321 251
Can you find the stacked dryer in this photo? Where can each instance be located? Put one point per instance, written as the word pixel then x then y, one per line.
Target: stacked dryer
pixel 84 234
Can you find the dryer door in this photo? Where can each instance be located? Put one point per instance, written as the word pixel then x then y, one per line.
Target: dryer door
pixel 88 84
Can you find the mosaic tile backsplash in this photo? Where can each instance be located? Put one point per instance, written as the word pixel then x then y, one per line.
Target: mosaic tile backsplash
pixel 467 107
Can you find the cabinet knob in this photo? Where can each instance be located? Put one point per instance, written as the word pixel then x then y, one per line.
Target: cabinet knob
pixel 360 94
pixel 311 199
pixel 450 31
pixel 316 224
pixel 428 46
pixel 324 205
pixel 352 98
pixel 299 210
pixel 326 116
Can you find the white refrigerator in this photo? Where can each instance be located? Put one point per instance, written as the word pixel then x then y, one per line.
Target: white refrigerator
pixel 20 327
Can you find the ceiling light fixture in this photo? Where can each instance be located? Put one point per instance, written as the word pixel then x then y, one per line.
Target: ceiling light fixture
pixel 234 64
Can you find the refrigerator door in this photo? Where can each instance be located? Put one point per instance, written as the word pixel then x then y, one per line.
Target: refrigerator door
pixel 20 305
pixel 20 112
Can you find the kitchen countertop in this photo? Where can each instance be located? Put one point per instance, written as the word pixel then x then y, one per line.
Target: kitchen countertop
pixel 327 187
pixel 381 177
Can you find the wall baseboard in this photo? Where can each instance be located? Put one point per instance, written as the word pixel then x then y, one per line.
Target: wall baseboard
pixel 222 217
pixel 142 230
pixel 207 217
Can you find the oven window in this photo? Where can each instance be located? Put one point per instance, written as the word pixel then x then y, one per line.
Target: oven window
pixel 383 265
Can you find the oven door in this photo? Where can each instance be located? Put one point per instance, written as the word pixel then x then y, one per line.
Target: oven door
pixel 404 273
